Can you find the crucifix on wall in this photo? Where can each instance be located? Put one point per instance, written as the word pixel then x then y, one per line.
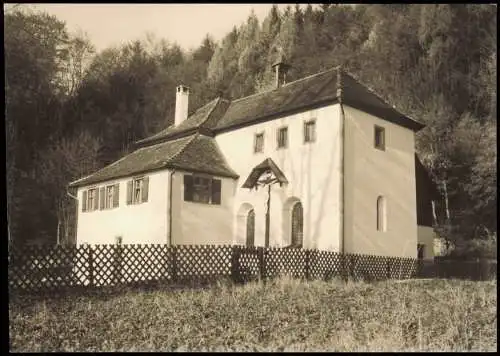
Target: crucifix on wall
pixel 265 175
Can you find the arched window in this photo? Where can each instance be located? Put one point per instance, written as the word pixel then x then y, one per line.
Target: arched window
pixel 250 228
pixel 297 224
pixel 381 214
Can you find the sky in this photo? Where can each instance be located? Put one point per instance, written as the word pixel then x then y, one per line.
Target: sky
pixel 187 24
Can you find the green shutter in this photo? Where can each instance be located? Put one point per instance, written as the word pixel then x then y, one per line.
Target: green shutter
pixel 84 201
pixel 216 191
pixel 102 197
pixel 116 195
pixel 145 189
pixel 96 201
pixel 129 192
pixel 188 187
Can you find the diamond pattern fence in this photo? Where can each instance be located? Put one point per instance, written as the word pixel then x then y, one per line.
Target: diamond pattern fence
pixel 57 268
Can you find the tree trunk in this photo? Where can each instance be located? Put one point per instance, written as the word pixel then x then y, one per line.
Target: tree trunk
pixel 446 201
pixel 58 231
pixel 434 212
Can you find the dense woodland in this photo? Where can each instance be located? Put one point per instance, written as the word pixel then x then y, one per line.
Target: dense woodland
pixel 71 110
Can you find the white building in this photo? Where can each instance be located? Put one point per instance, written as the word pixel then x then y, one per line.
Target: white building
pixel 334 162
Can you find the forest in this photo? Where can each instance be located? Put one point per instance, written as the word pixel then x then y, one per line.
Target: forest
pixel 71 109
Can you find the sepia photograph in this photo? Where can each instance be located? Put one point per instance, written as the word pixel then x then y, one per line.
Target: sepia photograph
pixel 251 177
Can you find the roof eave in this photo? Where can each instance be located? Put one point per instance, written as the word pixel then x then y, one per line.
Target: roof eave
pixel 275 115
pixel 82 182
pixel 227 174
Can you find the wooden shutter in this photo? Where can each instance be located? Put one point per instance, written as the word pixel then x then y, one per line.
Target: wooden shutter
pixel 216 194
pixel 102 197
pixel 116 195
pixel 145 189
pixel 188 187
pixel 84 201
pixel 96 200
pixel 129 192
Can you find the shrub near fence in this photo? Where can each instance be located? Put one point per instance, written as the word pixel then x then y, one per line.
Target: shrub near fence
pixel 479 269
pixel 53 268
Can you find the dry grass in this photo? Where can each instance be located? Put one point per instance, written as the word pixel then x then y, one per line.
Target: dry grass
pixel 285 315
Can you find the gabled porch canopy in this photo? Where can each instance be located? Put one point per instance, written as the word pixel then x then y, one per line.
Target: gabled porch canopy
pixel 275 175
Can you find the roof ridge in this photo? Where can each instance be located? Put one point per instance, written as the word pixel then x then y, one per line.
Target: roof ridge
pixel 217 100
pixel 174 156
pixel 171 126
pixel 287 84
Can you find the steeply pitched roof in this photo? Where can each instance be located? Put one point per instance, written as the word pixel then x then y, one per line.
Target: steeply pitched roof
pixel 196 153
pixel 204 117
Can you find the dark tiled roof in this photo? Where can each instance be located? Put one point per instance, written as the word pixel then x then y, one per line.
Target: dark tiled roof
pixel 312 91
pixel 316 89
pixel 204 117
pixel 195 152
pixel 359 96
pixel 203 155
pixel 267 165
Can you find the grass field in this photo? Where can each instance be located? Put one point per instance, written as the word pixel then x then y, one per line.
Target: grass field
pixel 284 315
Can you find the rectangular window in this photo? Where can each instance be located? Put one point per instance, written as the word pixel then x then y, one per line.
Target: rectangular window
pixel 379 138
pixel 259 143
pixel 137 190
pixel 310 131
pixel 282 137
pixel 202 189
pixel 109 197
pixel 92 199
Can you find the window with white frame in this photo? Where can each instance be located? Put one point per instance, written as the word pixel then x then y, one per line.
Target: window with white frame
pixel 90 200
pixel 137 190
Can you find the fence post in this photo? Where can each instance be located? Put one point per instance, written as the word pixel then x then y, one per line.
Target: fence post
pixel 235 268
pixel 91 266
pixel 174 263
pixel 262 262
pixel 388 266
pixel 308 262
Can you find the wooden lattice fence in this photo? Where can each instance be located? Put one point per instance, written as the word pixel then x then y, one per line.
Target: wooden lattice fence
pixel 53 268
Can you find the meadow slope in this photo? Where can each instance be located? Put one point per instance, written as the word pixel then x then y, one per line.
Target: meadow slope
pixel 283 315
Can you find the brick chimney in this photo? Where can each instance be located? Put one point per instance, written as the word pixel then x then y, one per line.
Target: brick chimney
pixel 280 69
pixel 181 104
